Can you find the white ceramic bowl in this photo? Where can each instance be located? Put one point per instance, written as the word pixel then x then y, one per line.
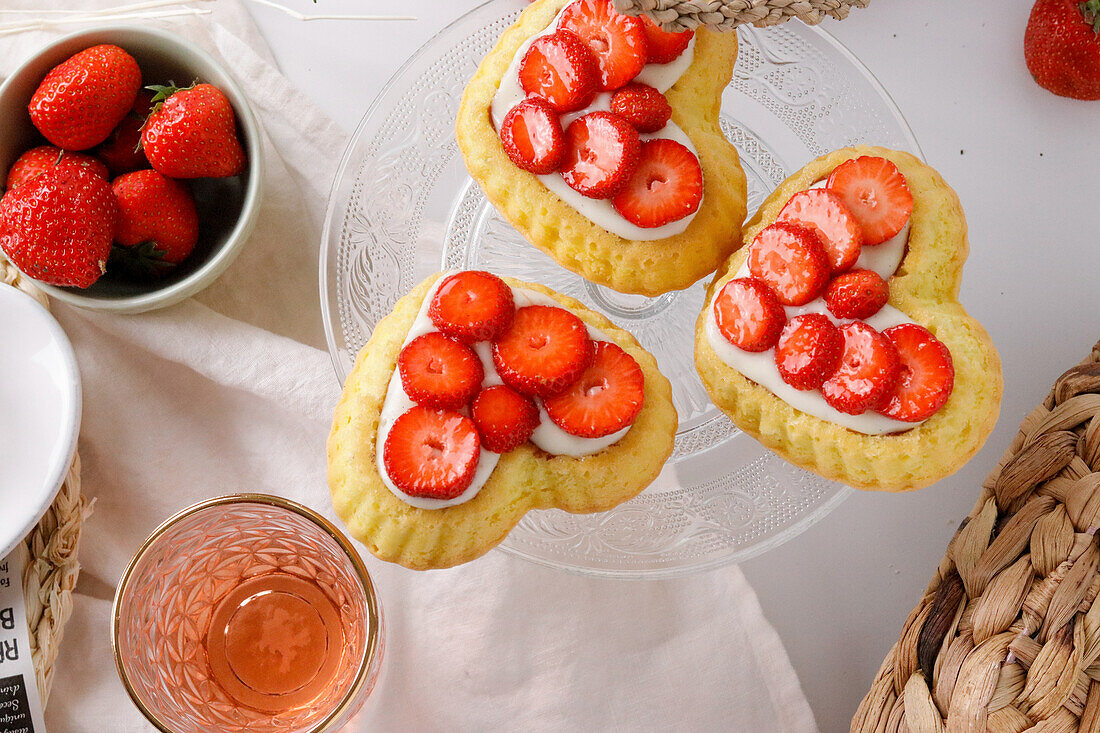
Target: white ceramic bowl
pixel 227 206
pixel 39 413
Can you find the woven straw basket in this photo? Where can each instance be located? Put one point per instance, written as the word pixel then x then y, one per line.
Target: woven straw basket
pixel 1007 636
pixel 52 568
pixel 725 15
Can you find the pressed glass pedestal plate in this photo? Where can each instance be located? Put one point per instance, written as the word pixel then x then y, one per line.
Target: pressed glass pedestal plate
pixel 403 207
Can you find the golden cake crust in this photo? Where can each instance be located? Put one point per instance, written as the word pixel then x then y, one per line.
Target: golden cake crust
pixel 526 478
pixel 629 266
pixel 925 288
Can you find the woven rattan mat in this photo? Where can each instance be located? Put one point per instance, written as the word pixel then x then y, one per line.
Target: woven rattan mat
pixel 1007 635
pixel 52 569
pixel 725 15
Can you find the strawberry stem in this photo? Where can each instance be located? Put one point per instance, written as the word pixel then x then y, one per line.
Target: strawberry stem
pixel 1090 9
pixel 161 92
pixel 142 262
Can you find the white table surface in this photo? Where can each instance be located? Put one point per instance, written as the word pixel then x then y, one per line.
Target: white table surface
pixel 1025 164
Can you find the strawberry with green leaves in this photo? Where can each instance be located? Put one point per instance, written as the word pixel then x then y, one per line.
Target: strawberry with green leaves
pixel 158 223
pixel 1062 47
pixel 58 227
pixel 192 133
pixel 83 98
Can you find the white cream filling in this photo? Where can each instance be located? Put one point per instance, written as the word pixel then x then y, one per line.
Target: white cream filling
pixel 547 436
pixel 600 211
pixel 759 366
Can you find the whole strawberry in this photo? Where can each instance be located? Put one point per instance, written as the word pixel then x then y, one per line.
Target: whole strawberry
pixel 121 151
pixel 192 133
pixel 1062 47
pixel 58 227
pixel 82 99
pixel 37 160
pixel 156 215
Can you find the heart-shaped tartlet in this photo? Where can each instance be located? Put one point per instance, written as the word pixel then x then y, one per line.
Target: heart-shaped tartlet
pixel 480 398
pixel 596 134
pixel 835 336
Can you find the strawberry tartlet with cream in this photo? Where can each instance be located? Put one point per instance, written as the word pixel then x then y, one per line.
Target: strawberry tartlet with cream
pixel 582 106
pixel 480 398
pixel 806 315
pixel 597 136
pixel 487 367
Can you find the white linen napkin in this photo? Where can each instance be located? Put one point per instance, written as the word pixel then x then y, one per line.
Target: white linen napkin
pixel 230 392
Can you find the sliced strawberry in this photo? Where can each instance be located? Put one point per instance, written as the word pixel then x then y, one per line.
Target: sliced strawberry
pixel 532 136
pixel 472 306
pixel 867 373
pixel 664 46
pixel 432 453
pixel 808 351
pixel 544 351
pixel 927 374
pixel 438 371
pixel 748 314
pixel 857 294
pixel 618 41
pixel 605 399
pixel 560 69
pixel 876 193
pixel 601 152
pixel 505 418
pixel 824 212
pixel 666 186
pixel 642 106
pixel 791 260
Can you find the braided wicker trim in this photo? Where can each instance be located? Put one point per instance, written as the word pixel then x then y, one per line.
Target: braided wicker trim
pixel 726 15
pixel 1007 636
pixel 52 568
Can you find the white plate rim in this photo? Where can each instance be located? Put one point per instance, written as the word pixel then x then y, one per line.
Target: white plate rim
pixel 12 532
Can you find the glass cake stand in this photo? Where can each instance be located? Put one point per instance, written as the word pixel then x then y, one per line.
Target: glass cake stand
pixel 403 207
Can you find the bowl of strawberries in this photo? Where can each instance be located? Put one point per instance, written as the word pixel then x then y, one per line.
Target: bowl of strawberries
pixel 131 169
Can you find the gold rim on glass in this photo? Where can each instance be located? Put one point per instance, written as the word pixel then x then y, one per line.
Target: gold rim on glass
pixel 369 651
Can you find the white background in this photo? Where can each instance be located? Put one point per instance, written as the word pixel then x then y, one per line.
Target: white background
pixel 1025 164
